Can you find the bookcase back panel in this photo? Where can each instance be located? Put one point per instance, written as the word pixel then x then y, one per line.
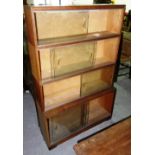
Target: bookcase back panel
pixel 73 58
pixel 106 20
pixel 115 20
pixel 65 123
pixel 51 24
pixel 106 50
pixel 62 91
pixel 100 108
pixel 97 21
pixel 96 81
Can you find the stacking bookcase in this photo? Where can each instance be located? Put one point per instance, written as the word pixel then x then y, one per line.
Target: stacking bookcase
pixel 73 51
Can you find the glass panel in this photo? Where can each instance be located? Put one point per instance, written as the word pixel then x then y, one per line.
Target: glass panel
pixel 52 24
pixel 100 108
pixel 65 123
pixel 73 58
pixel 96 81
pixel 63 91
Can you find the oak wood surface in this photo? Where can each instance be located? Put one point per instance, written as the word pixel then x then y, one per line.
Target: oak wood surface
pixel 115 140
pixel 70 23
pixel 107 50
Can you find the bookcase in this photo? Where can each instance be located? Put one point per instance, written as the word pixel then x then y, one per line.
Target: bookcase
pixel 73 51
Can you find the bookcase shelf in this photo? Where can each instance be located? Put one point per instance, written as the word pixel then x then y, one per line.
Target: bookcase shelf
pixel 58 93
pixel 59 61
pixel 74 73
pixel 61 41
pixel 73 51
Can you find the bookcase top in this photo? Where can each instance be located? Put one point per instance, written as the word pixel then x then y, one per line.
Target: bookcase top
pixel 74 7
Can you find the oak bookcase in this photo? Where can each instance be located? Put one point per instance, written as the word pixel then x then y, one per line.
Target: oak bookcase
pixel 73 51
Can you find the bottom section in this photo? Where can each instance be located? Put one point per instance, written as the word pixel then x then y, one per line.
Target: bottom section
pixel 68 120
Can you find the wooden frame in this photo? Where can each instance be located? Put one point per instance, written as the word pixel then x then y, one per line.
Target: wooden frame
pixel 55 86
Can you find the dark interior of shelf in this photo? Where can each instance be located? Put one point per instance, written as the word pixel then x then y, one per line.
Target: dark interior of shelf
pixel 65 124
pixel 60 41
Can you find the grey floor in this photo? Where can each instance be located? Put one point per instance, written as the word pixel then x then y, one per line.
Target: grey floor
pixel 33 142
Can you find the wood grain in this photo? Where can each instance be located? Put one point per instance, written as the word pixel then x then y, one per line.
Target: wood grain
pixel 115 19
pixel 34 59
pixel 70 23
pixel 107 50
pixel 115 140
pixel 30 25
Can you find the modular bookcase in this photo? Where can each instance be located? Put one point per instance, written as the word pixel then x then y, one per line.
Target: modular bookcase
pixel 73 51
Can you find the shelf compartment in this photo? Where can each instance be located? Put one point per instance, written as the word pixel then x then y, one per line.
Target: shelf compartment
pixel 66 123
pixel 60 92
pixel 97 80
pixel 106 50
pixel 74 23
pixel 75 73
pixel 100 108
pixel 71 59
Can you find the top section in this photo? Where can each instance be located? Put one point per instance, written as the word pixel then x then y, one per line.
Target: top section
pixel 48 24
pixel 75 7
